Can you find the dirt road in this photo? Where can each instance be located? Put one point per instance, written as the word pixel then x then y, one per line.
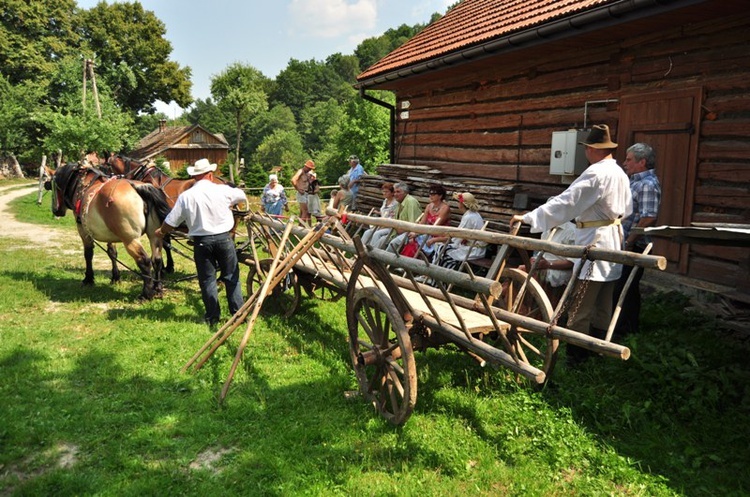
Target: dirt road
pixel 39 234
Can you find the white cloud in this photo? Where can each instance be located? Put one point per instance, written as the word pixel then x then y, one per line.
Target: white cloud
pixel 332 18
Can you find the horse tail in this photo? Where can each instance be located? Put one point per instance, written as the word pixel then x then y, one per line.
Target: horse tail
pixel 155 200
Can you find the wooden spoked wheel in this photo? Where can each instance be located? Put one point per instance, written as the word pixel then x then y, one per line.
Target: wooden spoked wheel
pixel 533 348
pixel 282 300
pixel 322 291
pixel 382 355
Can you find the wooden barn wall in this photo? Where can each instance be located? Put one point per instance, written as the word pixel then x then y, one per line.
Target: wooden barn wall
pixel 179 158
pixel 495 120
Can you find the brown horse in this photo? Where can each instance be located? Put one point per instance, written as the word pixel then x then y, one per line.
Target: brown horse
pixel 147 173
pixel 113 210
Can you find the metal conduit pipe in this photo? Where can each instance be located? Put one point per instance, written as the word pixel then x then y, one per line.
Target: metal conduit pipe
pixel 601 17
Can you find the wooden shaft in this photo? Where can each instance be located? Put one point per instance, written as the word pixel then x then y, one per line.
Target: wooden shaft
pixel 623 294
pixel 574 251
pixel 264 289
pixel 485 351
pixel 462 280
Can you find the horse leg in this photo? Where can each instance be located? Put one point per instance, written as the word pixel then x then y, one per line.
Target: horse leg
pixel 141 258
pixel 169 268
pixel 112 253
pixel 158 264
pixel 88 256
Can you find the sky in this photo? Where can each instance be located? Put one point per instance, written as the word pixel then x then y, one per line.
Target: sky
pixel 210 35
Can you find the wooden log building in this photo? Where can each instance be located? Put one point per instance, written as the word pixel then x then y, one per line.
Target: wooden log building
pixel 480 92
pixel 181 146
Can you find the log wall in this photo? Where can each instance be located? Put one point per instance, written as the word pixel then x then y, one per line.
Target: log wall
pixel 493 119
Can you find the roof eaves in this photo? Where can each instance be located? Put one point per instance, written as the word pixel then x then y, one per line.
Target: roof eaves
pixel 579 23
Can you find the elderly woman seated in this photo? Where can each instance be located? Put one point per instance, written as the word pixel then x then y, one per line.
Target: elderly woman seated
pixel 458 250
pixel 343 196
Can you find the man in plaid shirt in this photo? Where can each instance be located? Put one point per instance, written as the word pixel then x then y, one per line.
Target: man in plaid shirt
pixel 639 165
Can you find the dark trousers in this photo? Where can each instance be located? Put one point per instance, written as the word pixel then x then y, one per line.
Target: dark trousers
pixel 590 314
pixel 630 314
pixel 209 253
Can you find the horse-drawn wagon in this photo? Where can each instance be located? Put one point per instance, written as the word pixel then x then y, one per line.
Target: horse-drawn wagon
pixel 503 318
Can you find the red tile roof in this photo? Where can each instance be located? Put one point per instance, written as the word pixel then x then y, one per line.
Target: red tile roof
pixel 473 22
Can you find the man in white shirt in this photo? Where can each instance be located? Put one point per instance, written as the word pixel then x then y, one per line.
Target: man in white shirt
pixel 598 200
pixel 206 209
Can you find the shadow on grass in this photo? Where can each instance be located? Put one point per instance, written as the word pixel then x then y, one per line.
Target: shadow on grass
pixel 132 434
pixel 679 409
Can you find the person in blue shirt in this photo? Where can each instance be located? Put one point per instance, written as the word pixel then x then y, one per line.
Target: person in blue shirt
pixel 356 171
pixel 640 160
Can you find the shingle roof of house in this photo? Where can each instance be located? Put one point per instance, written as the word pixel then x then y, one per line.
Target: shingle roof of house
pixel 162 139
pixel 474 23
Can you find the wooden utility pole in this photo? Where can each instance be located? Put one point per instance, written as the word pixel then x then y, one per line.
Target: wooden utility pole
pixel 88 73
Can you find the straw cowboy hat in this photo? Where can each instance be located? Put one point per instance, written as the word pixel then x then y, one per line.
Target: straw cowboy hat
pixel 309 164
pixel 599 138
pixel 202 166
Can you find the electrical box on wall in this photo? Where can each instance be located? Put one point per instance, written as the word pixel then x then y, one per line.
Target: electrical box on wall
pixel 568 157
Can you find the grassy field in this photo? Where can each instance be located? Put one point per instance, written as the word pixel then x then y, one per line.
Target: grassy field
pixel 93 403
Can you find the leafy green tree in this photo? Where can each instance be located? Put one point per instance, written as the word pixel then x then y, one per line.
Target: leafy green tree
pixel 239 89
pixel 130 48
pixel 277 118
pixel 17 104
pixel 372 50
pixel 74 128
pixel 280 148
pixel 34 36
pixel 345 66
pixel 316 123
pixel 364 131
pixel 212 117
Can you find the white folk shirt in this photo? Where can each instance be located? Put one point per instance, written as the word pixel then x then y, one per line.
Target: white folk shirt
pixel 206 208
pixel 601 192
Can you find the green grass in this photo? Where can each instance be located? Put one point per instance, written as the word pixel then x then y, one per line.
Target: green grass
pixel 94 375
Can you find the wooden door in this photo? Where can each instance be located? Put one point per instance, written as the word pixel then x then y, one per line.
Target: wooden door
pixel 668 121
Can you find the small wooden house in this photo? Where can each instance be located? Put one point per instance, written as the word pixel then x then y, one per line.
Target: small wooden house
pixel 481 91
pixel 181 146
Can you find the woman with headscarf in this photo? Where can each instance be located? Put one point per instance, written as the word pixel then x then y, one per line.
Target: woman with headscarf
pixel 273 198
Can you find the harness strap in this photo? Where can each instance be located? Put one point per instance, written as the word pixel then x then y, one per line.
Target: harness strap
pixel 598 223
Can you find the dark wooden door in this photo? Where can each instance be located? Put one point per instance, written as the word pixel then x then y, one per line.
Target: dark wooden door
pixel 668 121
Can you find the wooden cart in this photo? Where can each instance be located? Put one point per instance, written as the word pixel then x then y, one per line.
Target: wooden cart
pixel 503 318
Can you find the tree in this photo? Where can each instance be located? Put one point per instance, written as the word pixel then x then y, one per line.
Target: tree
pixel 132 52
pixel 75 129
pixel 239 89
pixel 346 66
pixel 277 118
pixel 211 116
pixel 17 105
pixel 316 123
pixel 364 131
pixel 280 148
pixel 34 36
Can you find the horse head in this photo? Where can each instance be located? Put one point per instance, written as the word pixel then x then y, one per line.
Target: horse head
pixel 125 166
pixel 63 185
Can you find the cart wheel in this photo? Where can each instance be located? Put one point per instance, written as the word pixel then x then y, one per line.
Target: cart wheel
pixel 284 299
pixel 382 355
pixel 323 292
pixel 537 350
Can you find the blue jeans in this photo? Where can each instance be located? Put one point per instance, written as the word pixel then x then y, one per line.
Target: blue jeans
pixel 209 253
